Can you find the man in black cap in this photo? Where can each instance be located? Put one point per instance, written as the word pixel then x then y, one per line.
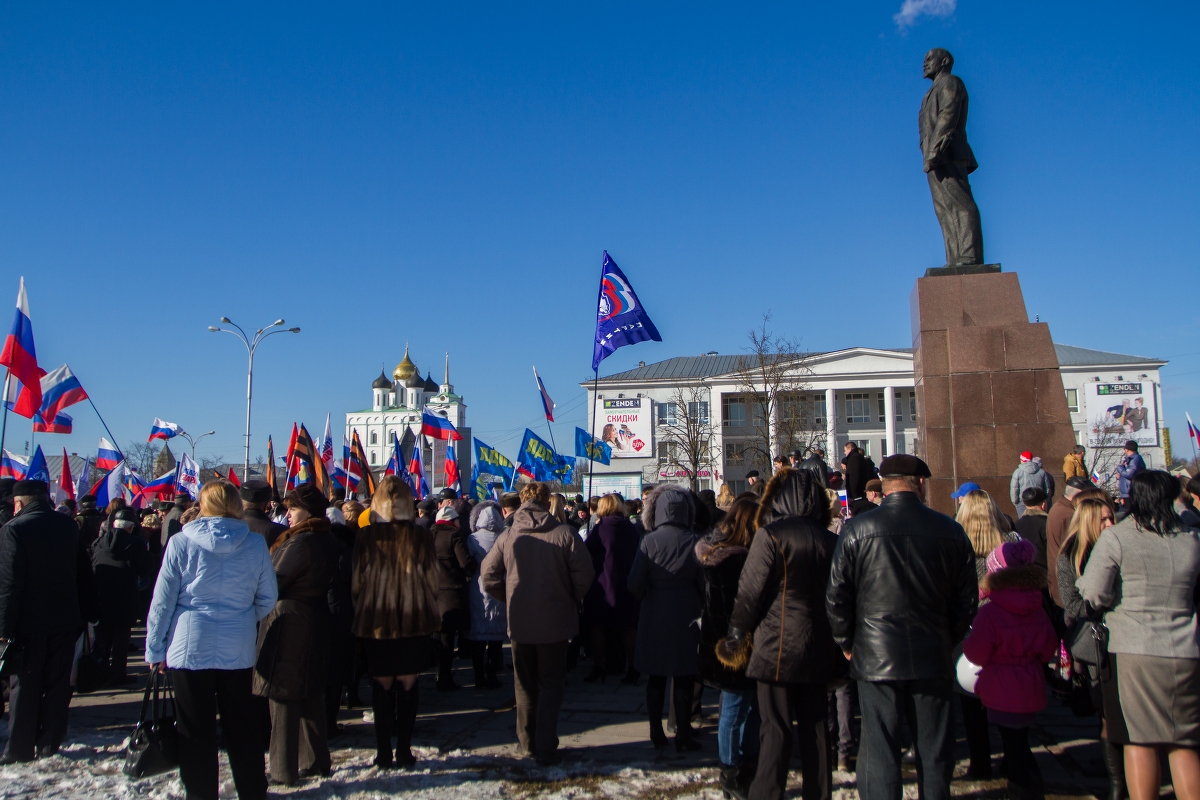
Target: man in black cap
pixel 426 510
pixel 40 615
pixel 256 497
pixel 902 594
pixel 171 524
pixel 755 482
pixel 89 520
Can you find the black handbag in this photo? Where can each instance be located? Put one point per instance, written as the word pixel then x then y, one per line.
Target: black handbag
pixel 90 672
pixel 12 658
pixel 154 745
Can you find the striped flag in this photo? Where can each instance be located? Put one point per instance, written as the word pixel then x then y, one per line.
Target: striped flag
pixel 359 469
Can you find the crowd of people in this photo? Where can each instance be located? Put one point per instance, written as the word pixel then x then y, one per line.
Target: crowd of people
pixel 793 604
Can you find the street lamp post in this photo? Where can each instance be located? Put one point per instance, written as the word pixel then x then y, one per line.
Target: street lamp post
pixel 252 343
pixel 193 441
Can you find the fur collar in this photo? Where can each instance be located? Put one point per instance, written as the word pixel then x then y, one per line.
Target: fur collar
pixel 711 556
pixel 310 524
pixel 1025 576
pixel 1033 512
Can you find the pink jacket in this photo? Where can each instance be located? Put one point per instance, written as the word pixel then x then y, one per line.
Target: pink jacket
pixel 1011 639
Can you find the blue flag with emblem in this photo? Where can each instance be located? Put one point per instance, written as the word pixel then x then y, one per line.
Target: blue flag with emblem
pixel 489 462
pixel 620 318
pixel 564 469
pixel 538 458
pixel 589 447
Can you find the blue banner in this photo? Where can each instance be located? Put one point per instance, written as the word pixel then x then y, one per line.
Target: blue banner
pixel 589 447
pixel 564 469
pixel 489 461
pixel 538 458
pixel 620 318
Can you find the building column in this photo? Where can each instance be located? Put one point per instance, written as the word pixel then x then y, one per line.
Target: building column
pixel 889 419
pixel 831 413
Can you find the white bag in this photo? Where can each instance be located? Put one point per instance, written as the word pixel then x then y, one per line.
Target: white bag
pixel 967 673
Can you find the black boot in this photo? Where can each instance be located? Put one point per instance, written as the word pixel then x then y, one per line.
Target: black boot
pixel 731 785
pixel 656 698
pixel 685 736
pixel 406 719
pixel 597 673
pixel 477 664
pixel 383 703
pixel 445 674
pixel 1114 762
pixel 746 771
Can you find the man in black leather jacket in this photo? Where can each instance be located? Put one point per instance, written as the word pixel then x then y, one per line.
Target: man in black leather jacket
pixel 902 594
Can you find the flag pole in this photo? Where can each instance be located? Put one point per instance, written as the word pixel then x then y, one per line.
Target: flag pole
pixel 595 397
pixel 106 430
pixel 4 425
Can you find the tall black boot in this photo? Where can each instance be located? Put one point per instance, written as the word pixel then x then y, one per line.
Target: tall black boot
pixel 682 690
pixel 406 719
pixel 383 703
pixel 1114 762
pixel 478 650
pixel 445 673
pixel 656 698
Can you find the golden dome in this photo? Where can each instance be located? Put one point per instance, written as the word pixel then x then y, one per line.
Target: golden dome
pixel 406 368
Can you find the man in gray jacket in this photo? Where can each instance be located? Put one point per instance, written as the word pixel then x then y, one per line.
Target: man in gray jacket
pixel 1029 475
pixel 540 570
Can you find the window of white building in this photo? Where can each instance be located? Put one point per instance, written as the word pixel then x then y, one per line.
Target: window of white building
pixel 858 407
pixel 1073 400
pixel 666 413
pixel 733 412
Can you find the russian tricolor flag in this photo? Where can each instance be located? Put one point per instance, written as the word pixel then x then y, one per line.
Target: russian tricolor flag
pixel 1193 431
pixel 108 488
pixel 163 430
pixel 108 456
pixel 451 467
pixel 20 356
pixel 60 389
pixel 12 466
pixel 417 473
pixel 547 403
pixel 162 488
pixel 62 423
pixel 438 427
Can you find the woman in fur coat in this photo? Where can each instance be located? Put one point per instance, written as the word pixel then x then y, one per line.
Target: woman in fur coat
pixel 395 590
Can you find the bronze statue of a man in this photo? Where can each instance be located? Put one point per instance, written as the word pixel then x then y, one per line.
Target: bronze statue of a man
pixel 949 160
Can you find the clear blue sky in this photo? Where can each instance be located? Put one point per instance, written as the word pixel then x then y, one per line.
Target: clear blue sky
pixel 448 174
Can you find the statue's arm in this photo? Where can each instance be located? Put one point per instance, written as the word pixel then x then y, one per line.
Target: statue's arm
pixel 950 98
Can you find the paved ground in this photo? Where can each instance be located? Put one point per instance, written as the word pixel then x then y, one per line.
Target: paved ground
pixel 465 741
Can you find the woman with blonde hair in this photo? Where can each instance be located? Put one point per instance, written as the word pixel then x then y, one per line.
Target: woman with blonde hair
pixel 215 584
pixel 558 507
pixel 395 591
pixel 987 528
pixel 1092 516
pixel 725 497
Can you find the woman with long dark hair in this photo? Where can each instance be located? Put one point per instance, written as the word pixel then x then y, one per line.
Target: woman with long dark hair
pixel 395 591
pixel 1142 573
pixel 781 632
pixel 722 557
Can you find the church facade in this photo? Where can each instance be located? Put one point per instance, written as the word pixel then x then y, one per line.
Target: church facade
pixel 396 406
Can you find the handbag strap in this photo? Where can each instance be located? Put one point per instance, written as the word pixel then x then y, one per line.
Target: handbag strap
pixel 146 700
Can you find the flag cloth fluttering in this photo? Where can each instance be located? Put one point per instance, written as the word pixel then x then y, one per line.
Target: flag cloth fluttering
pixel 12 466
pixel 233 478
pixel 109 487
pixel 489 462
pixel 537 458
pixel 1193 431
pixel 162 487
pixel 20 356
pixel 38 469
pixel 436 426
pixel 589 447
pixel 108 456
pixel 417 468
pixel 187 477
pixel 60 390
pixel 271 467
pixel 163 430
pixel 65 483
pixel 85 474
pixel 358 464
pixel 547 403
pixel 620 318
pixel 451 467
pixel 62 423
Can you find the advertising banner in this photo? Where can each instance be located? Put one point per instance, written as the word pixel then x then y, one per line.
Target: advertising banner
pixel 1118 412
pixel 628 485
pixel 625 426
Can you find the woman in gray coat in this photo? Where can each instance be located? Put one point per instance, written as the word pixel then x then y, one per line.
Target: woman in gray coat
pixel 1143 573
pixel 489 625
pixel 668 581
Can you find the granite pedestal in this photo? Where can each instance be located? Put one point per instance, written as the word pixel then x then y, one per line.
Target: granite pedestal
pixel 988 385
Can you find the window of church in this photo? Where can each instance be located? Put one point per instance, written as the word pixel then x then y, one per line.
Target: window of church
pixel 374 440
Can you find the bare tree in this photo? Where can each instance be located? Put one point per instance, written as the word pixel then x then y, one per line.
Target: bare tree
pixel 772 381
pixel 140 456
pixel 687 438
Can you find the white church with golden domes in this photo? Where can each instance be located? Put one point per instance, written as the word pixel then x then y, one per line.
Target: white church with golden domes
pixel 396 406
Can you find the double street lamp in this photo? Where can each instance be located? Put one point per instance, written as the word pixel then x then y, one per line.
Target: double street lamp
pixel 193 441
pixel 252 343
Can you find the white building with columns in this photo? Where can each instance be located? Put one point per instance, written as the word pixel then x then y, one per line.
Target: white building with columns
pixel 396 405
pixel 860 394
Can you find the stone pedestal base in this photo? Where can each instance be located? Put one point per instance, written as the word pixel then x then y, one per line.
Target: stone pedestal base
pixel 988 386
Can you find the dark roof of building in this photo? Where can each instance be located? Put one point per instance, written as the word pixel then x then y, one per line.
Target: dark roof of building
pixel 1071 356
pixel 381 382
pixel 695 367
pixel 430 386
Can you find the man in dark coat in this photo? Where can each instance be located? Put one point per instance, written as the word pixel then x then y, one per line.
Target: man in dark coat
pixel 855 470
pixel 6 501
pixel 256 497
pixel 171 524
pixel 426 509
pixel 815 463
pixel 119 558
pixel 902 594
pixel 89 520
pixel 40 615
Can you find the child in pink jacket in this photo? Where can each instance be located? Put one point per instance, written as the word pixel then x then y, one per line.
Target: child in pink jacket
pixel 1011 638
